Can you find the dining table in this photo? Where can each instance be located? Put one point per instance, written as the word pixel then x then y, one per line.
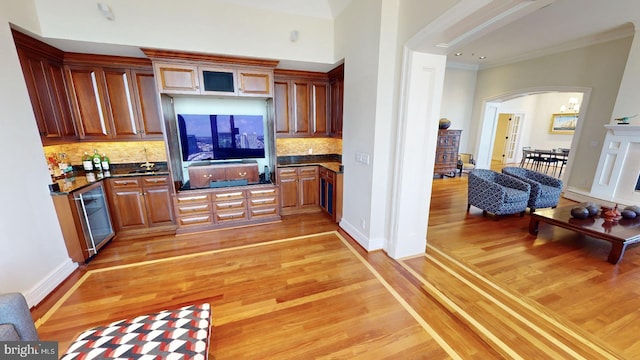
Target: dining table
pixel 548 161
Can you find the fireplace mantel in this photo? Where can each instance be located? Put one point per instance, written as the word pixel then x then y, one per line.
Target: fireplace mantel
pixel 624 130
pixel 618 170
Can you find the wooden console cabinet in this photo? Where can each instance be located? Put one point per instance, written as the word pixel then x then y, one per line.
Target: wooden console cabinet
pixel 201 176
pixel 209 209
pixel 447 152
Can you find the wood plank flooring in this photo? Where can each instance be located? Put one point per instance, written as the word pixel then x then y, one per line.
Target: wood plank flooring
pixel 302 288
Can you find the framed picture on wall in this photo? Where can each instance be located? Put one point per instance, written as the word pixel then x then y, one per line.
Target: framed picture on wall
pixel 563 123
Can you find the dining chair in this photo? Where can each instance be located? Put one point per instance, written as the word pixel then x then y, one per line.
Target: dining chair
pixel 545 159
pixel 564 155
pixel 528 157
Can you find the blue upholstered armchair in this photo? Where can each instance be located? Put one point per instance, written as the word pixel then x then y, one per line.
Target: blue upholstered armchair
pixel 497 193
pixel 16 323
pixel 545 189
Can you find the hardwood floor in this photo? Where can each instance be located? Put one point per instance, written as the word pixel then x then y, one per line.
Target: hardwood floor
pixel 302 288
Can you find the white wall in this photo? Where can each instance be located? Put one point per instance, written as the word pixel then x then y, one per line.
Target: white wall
pixel 358 42
pixel 34 258
pixel 196 25
pixel 457 101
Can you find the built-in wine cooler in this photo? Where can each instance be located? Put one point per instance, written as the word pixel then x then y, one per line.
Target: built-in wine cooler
pixel 93 212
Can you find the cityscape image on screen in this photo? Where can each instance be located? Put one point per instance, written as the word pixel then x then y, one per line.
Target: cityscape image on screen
pixel 219 137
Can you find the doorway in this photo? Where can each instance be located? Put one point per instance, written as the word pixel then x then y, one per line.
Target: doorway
pixel 505 144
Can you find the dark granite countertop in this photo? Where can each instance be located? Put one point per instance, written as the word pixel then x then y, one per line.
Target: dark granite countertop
pixel 79 178
pixel 332 162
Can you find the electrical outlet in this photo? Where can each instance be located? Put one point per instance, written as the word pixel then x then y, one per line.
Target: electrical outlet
pixel 310 151
pixel 363 224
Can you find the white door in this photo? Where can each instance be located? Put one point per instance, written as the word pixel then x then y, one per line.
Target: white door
pixel 513 133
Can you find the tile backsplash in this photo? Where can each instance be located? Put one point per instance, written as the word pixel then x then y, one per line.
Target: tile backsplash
pixel 301 146
pixel 118 151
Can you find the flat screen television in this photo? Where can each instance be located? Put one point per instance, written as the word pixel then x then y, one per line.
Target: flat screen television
pixel 221 137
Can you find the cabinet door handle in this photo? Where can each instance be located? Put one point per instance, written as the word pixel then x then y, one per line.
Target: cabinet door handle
pixel 243 174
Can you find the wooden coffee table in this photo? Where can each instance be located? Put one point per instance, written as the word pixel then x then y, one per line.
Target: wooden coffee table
pixel 620 233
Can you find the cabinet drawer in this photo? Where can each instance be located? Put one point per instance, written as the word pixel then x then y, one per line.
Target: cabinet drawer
pixel 290 171
pixel 262 192
pixel 308 170
pixel 155 180
pixel 270 200
pixel 225 205
pixel 233 215
pixel 232 195
pixel 183 210
pixel 187 221
pixel 446 157
pixel 190 199
pixel 263 212
pixel 250 173
pixel 129 182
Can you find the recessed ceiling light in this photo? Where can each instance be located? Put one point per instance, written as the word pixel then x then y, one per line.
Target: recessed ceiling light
pixel 482 57
pixel 458 54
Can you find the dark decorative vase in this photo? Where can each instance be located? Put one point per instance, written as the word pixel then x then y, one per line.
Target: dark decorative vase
pixel 444 123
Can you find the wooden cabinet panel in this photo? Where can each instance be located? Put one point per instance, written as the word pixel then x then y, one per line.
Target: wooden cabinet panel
pixel 59 92
pixel 336 95
pixel 149 120
pixel 177 79
pixel 255 83
pixel 320 93
pixel 288 193
pixel 118 102
pixel 129 209
pixel 282 107
pixel 308 191
pixel 85 96
pixel 158 202
pixel 301 108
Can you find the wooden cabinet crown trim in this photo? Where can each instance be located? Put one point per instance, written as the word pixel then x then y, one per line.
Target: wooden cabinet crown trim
pixel 299 74
pixel 188 56
pixel 37 46
pixel 337 72
pixel 106 60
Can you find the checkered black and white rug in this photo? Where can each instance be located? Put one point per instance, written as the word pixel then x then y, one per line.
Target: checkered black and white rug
pixel 170 334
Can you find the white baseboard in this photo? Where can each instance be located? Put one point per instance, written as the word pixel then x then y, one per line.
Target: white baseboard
pixel 583 196
pixel 49 283
pixel 358 236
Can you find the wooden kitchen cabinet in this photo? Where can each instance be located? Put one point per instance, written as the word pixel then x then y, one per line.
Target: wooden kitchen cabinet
pixel 215 208
pixel 43 72
pixel 140 204
pixel 298 189
pixel 301 104
pixel 209 79
pixel 336 85
pixel 331 193
pixel 112 102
